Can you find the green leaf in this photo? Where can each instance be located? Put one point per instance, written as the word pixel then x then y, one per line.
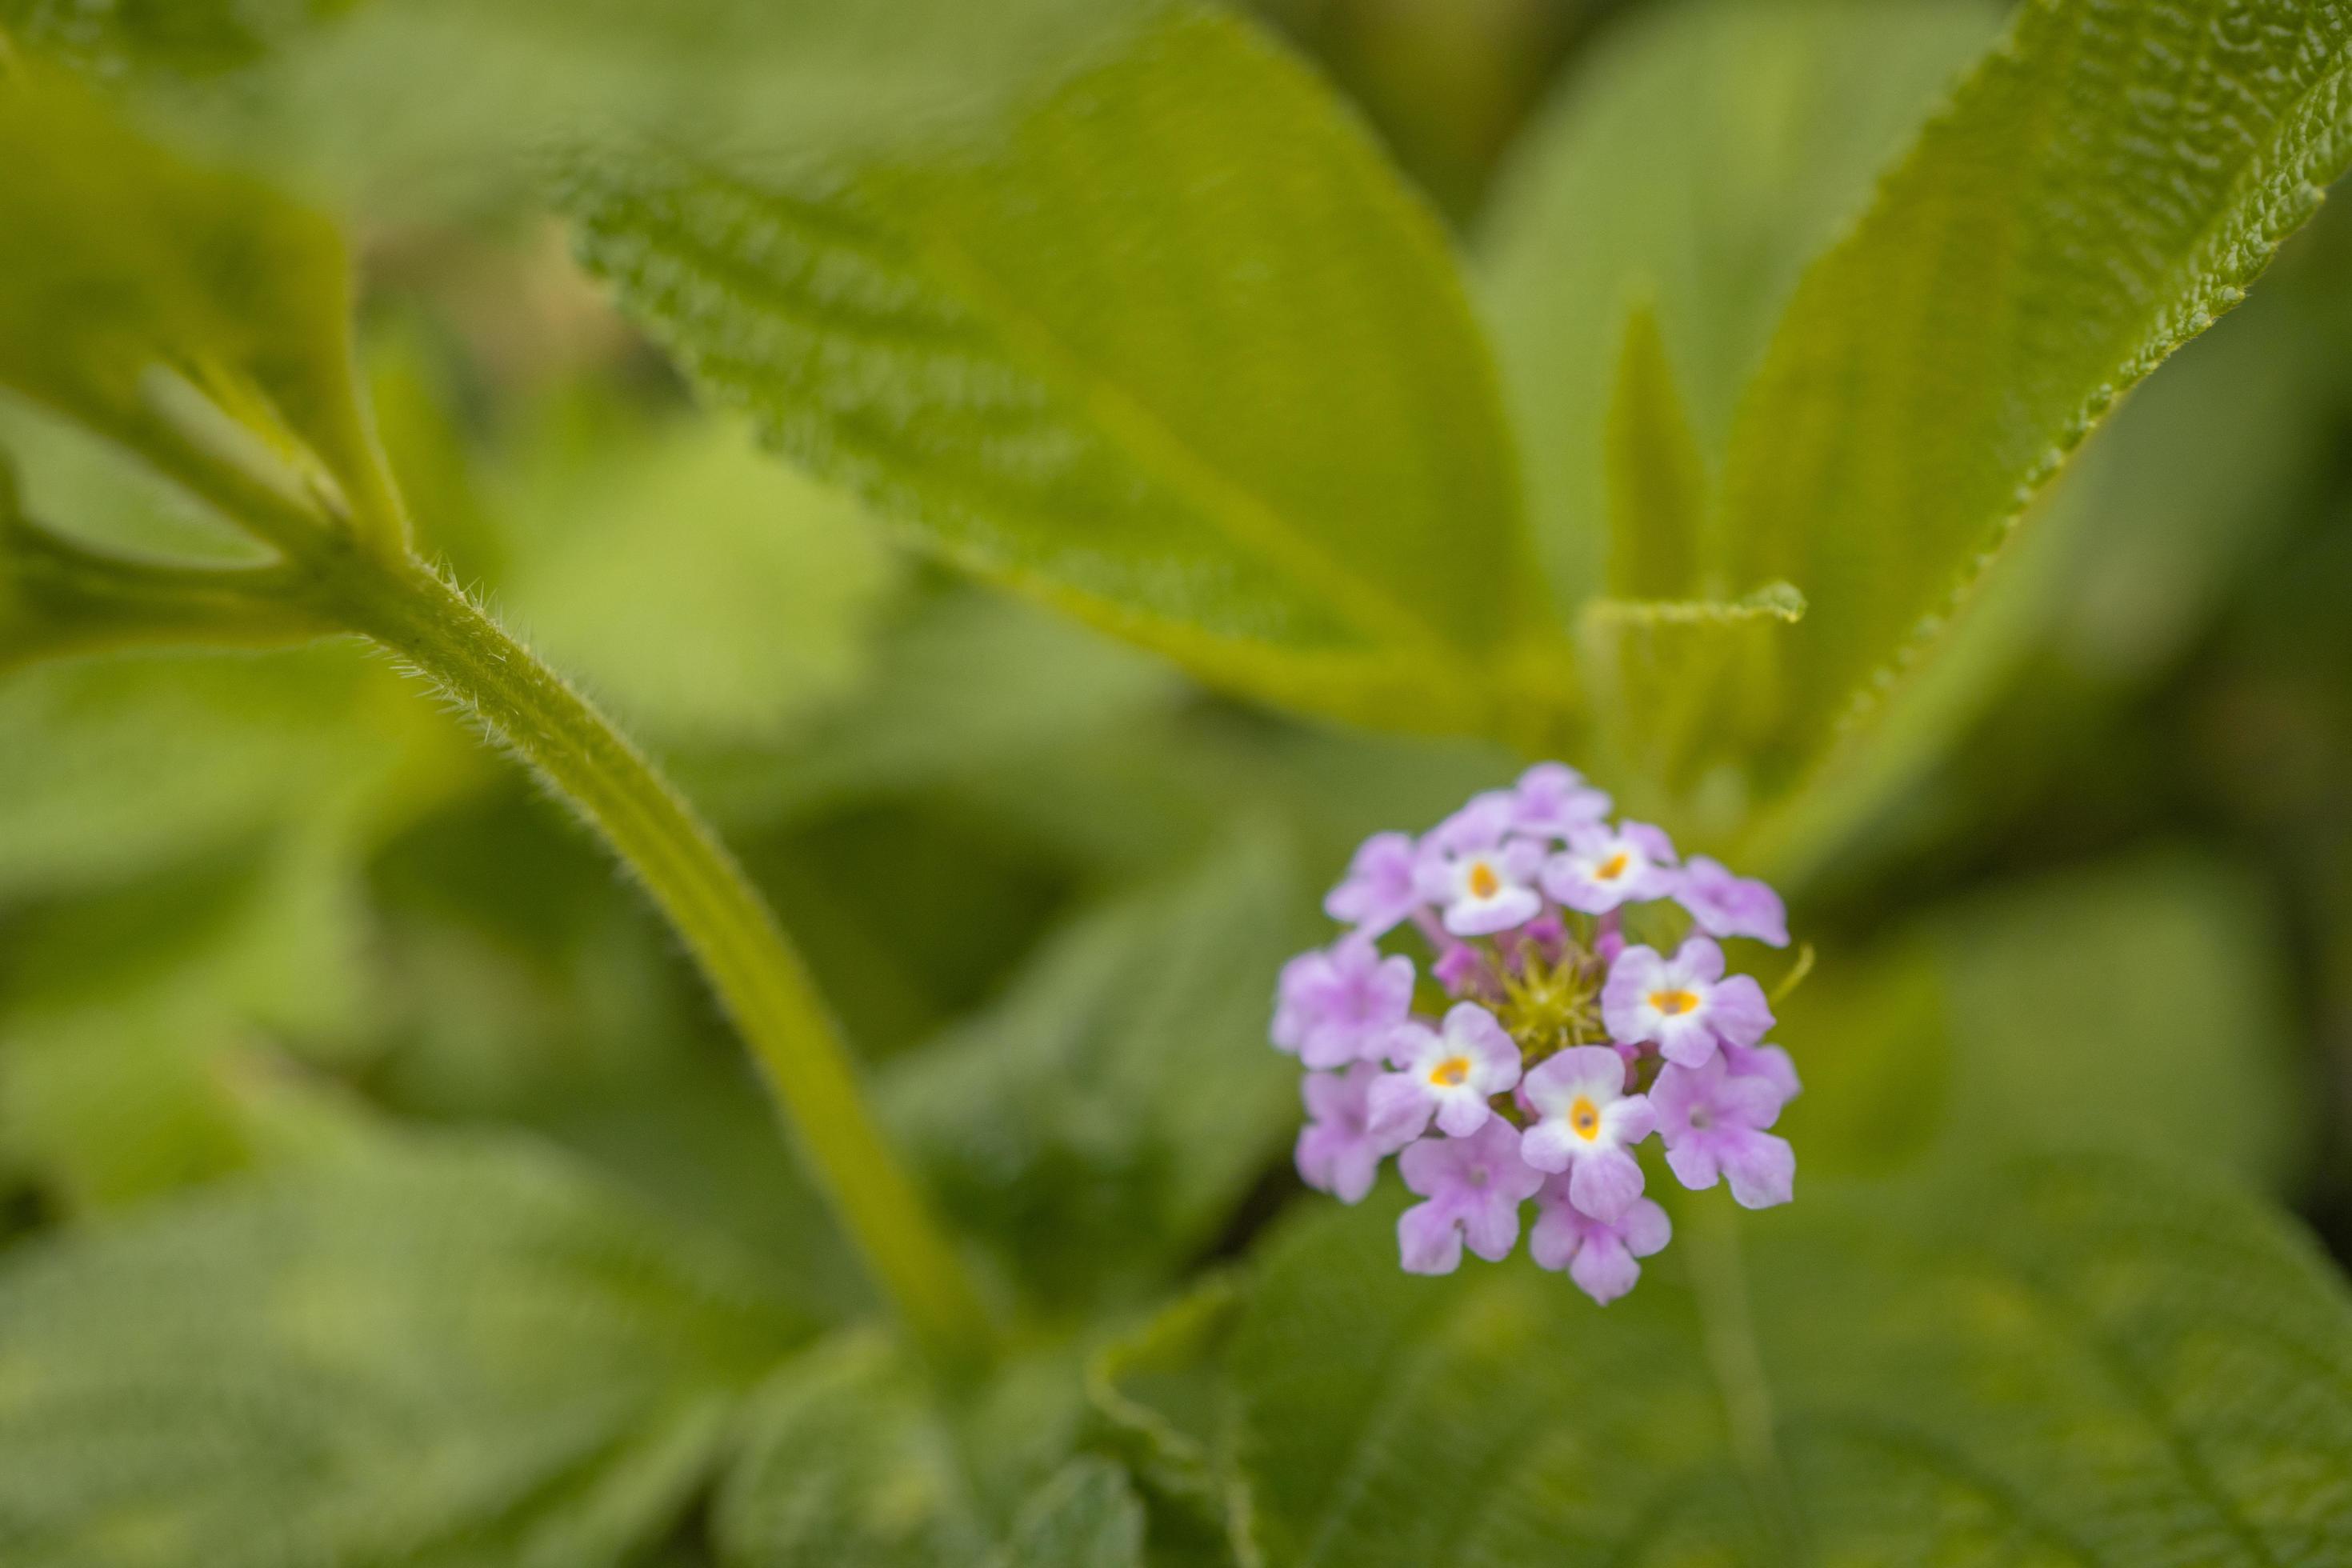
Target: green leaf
pixel 2102 186
pixel 1104 1117
pixel 1696 158
pixel 733 631
pixel 1110 348
pixel 850 1466
pixel 1085 1517
pixel 190 36
pixel 1670 680
pixel 1657 476
pixel 2069 1361
pixel 190 316
pixel 2137 1006
pixel 413 1355
pixel 855 1460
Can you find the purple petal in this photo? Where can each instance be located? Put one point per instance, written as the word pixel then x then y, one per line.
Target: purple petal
pixel 1554 1083
pixel 1700 958
pixel 1549 1145
pixel 1644 1228
pixel 1737 1011
pixel 1685 1040
pixel 1762 1169
pixel 1511 906
pixel 1769 1063
pixel 1492 1229
pixel 1427 1240
pixel 1693 1163
pixel 1399 1107
pixel 1726 905
pixel 1603 1182
pixel 1602 1268
pixel 1460 1115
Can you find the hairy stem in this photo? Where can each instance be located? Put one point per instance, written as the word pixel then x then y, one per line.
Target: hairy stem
pixel 729 929
pixel 1729 1329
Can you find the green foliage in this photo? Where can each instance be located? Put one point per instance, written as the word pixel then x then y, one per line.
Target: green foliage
pixel 423 1355
pixel 2069 1361
pixel 1107 353
pixel 1656 475
pixel 1696 160
pixel 1107 1115
pixel 194 37
pixel 195 319
pixel 2101 188
pixel 2137 1005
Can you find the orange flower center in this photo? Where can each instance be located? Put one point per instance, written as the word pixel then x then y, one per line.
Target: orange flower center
pixel 1613 867
pixel 1585 1117
pixel 1673 1002
pixel 1451 1073
pixel 1484 883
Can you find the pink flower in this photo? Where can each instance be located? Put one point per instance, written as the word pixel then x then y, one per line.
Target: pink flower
pixel 1474 1187
pixel 1684 1004
pixel 1713 1121
pixel 1448 1074
pixel 1484 890
pixel 1602 870
pixel 1338 1150
pixel 1598 1254
pixel 1726 905
pixel 1338 1004
pixel 1552 800
pixel 1769 1063
pixel 1379 891
pixel 1586 1125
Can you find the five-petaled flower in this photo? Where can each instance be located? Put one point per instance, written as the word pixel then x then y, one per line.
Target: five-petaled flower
pixel 1472 1187
pixel 1683 1004
pixel 1338 1150
pixel 1449 1074
pixel 1585 1126
pixel 1339 1005
pixel 1603 868
pixel 1712 1121
pixel 1599 1255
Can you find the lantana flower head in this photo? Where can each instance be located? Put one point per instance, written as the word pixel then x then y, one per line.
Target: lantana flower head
pixel 1529 994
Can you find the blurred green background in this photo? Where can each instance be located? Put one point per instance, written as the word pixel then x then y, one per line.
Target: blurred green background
pixel 253 909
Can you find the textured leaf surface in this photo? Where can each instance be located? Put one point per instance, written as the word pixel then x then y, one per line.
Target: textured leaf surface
pixel 468 1354
pixel 1167 345
pixel 2107 182
pixel 1110 1110
pixel 1698 160
pixel 2069 1362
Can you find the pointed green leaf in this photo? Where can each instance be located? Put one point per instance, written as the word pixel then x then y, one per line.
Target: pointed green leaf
pixel 1671 682
pixel 1657 476
pixel 2071 1362
pixel 190 316
pixel 409 1356
pixel 1697 156
pixel 2109 180
pixel 1165 344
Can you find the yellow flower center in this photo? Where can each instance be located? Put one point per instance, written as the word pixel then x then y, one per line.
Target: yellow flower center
pixel 1484 883
pixel 1673 1002
pixel 1452 1072
pixel 1609 870
pixel 1585 1117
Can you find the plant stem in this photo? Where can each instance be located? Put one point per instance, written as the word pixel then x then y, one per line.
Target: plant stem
pixel 736 941
pixel 1729 1329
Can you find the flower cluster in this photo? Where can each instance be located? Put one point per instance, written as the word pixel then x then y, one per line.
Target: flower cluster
pixel 1585 1008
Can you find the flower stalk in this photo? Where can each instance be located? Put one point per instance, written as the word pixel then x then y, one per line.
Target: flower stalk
pixel 60 596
